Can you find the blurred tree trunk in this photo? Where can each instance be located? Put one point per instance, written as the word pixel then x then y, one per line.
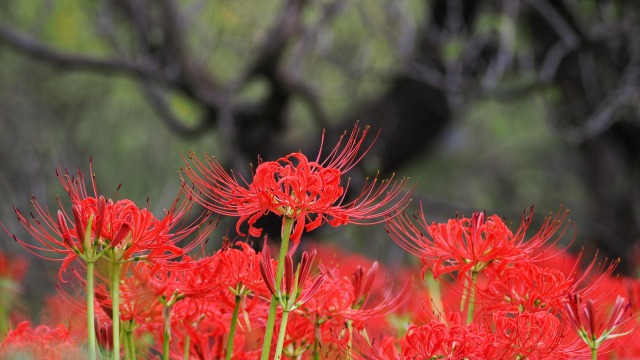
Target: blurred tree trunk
pixel 597 78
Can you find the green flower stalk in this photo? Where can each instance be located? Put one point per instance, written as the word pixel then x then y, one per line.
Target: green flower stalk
pixel 129 343
pixel 273 308
pixel 232 329
pixel 187 347
pixel 240 293
pixel 90 257
pixel 166 314
pixel 116 266
pixel 289 291
pixel 91 333
pixel 472 296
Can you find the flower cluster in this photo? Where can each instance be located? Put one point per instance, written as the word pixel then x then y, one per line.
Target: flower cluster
pixel 482 291
pixel 41 342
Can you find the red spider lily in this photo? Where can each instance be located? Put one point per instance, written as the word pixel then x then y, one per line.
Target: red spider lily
pixel 530 335
pixel 113 224
pixel 12 268
pixel 233 270
pixel 121 224
pixel 437 340
pixel 355 298
pixel 471 244
pixel 583 320
pixel 528 287
pixel 310 192
pixel 179 279
pixel 41 342
pixel 239 266
pixel 356 289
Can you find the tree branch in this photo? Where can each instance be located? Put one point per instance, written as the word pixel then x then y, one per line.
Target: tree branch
pixel 158 98
pixel 31 47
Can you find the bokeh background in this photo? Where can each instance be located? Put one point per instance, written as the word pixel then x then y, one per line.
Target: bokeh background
pixel 486 105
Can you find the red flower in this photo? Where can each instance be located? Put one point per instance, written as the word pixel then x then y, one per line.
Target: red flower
pixel 239 267
pixel 311 192
pixel 356 297
pixel 41 342
pixel 114 224
pixel 470 244
pixel 528 287
pixel 12 268
pixel 437 340
pixel 530 335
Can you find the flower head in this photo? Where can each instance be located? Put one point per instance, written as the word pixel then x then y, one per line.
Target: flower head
pixel 531 335
pixel 311 192
pixel 41 342
pixel 528 287
pixel 470 244
pixel 96 223
pixel 437 340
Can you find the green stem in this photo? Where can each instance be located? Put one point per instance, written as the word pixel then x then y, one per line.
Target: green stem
pixel 166 338
pixel 273 309
pixel 594 353
pixel 132 346
pixel 187 347
pixel 350 342
pixel 268 331
pixel 232 330
pixel 281 334
pixel 165 346
pixel 115 300
pixel 91 329
pixel 7 291
pixel 129 344
pixel 4 322
pixel 465 293
pixel 472 296
pixel 127 347
pixel 316 338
